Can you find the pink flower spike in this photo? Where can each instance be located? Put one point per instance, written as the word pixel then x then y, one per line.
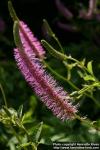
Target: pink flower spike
pixel 29 41
pixel 47 89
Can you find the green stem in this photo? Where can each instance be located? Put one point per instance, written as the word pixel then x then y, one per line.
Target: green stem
pixel 26 132
pixel 17 137
pixel 3 94
pixel 32 145
pixel 50 33
pixel 56 39
pixel 60 76
pixel 19 140
pixel 82 66
pixel 88 122
pixel 70 83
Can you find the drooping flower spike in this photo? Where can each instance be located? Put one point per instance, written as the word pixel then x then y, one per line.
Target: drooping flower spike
pixel 47 89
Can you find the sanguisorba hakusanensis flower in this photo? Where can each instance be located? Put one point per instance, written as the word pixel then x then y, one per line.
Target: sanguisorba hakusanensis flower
pixel 44 85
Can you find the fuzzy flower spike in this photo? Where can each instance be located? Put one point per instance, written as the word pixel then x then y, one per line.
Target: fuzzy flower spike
pixel 29 41
pixel 47 89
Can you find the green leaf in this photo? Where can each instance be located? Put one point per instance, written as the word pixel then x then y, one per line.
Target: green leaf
pixel 88 77
pixel 47 28
pixel 52 51
pixel 17 36
pixel 7 111
pixel 83 61
pixel 51 36
pixel 24 145
pixel 89 67
pixel 20 111
pixel 80 74
pixel 39 129
pixel 46 140
pixel 12 11
pixel 26 118
pixel 35 132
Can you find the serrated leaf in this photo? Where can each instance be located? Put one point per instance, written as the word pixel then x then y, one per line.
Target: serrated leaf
pixel 35 132
pixel 39 129
pixel 89 67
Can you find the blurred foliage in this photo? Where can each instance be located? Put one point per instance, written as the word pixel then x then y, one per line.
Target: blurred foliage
pixel 25 122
